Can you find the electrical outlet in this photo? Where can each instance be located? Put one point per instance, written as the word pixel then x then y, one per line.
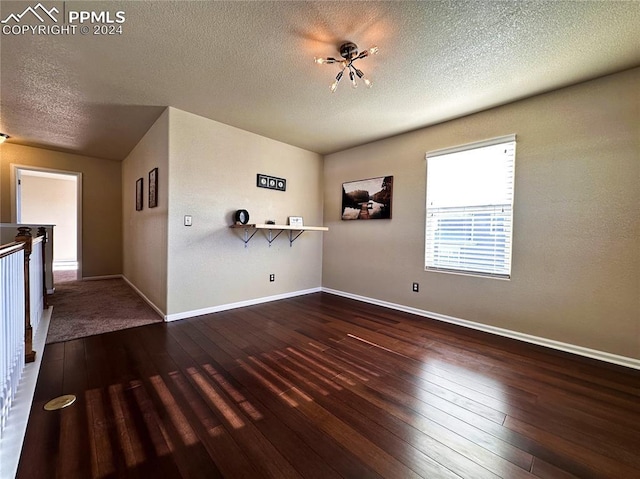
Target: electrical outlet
pixel 416 287
pixel 187 220
pixel 272 277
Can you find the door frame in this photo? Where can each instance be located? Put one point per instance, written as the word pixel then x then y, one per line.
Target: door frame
pixel 16 168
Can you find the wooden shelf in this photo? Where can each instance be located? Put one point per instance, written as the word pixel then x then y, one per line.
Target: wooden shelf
pixel 279 228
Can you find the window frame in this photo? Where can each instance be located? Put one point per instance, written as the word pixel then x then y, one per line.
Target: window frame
pixel 431 243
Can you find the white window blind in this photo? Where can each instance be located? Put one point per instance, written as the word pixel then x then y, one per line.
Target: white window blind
pixel 470 208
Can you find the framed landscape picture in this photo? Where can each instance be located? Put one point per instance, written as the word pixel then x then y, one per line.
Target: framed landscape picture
pixel 367 199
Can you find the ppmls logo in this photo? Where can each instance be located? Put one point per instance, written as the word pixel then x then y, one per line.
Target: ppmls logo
pixel 100 22
pixel 33 10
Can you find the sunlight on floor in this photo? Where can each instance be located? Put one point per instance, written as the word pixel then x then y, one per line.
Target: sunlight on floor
pixel 244 404
pixel 174 412
pixel 216 399
pixel 131 446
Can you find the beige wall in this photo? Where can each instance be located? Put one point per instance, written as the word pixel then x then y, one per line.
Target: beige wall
pixel 48 200
pixel 212 173
pixel 576 250
pixel 145 231
pixel 101 201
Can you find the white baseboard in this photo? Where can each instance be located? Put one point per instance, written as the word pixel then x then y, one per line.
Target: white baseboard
pixel 64 266
pixel 222 307
pixel 549 343
pixel 239 304
pixel 141 294
pixel 108 276
pixel 16 427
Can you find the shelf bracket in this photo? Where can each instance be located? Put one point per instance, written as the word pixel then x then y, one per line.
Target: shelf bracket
pixel 247 238
pixel 270 237
pixel 293 238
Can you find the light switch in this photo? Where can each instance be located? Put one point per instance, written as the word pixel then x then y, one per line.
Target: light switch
pixel 187 220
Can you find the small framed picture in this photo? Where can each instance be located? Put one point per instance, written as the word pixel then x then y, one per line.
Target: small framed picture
pixel 271 182
pixel 153 188
pixel 139 194
pixel 295 221
pixel 262 181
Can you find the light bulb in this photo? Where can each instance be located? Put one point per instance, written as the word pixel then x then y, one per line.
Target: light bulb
pixel 367 82
pixel 354 82
pixel 334 86
pixel 373 50
pixel 321 61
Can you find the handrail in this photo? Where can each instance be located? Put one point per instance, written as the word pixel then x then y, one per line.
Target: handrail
pixel 10 248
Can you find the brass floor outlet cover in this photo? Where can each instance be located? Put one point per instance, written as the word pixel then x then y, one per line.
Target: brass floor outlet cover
pixel 60 402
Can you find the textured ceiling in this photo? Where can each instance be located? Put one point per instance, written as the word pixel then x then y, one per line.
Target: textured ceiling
pixel 250 65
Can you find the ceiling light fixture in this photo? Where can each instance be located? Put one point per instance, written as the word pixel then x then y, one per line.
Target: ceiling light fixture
pixel 3 137
pixel 349 53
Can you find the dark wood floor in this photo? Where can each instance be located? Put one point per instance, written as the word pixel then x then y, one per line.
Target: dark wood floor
pixel 321 386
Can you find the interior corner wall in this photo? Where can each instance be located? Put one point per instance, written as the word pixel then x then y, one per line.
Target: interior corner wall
pixel 101 201
pixel 145 231
pixel 576 238
pixel 212 171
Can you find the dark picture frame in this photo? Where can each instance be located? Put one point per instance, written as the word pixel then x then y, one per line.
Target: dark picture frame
pixel 368 199
pixel 271 182
pixel 139 194
pixel 153 188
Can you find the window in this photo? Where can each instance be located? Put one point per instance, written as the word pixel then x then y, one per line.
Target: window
pixel 470 208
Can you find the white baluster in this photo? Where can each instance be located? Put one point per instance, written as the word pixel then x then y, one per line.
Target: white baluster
pixel 36 292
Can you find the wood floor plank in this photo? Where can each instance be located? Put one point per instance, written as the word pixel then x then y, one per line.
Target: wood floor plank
pixel 544 470
pixel 600 464
pixel 333 455
pixel 321 386
pixel 262 423
pixel 351 409
pixel 42 436
pixel 74 426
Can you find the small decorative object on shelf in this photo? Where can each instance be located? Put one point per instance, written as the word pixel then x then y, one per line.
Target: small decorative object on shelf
pixel 242 217
pixel 295 221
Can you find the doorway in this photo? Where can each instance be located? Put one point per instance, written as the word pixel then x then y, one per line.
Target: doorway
pixel 53 197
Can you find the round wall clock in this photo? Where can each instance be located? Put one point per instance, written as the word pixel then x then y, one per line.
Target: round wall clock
pixel 242 217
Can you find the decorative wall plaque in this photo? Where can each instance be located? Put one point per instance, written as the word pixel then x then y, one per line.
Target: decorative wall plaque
pixel 271 182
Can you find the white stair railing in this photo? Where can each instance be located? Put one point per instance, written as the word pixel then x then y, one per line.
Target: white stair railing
pixel 12 325
pixel 22 303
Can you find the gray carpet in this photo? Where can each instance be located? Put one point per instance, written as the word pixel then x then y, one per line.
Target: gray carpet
pixel 86 308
